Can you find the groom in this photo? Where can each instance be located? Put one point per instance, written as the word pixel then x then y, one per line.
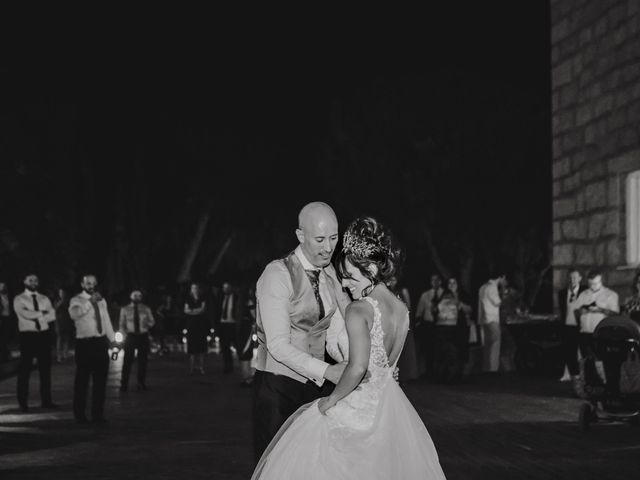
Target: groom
pixel 300 312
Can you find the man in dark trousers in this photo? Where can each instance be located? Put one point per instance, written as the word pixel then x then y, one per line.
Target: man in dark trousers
pixel 300 311
pixel 568 303
pixel 94 334
pixel 35 316
pixel 136 320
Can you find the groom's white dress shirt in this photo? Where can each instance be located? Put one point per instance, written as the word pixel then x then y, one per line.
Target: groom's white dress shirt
pixel 273 291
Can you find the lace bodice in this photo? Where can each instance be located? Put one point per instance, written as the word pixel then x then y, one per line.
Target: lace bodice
pixel 358 409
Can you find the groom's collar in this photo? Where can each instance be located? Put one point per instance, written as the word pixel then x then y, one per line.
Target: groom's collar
pixel 306 264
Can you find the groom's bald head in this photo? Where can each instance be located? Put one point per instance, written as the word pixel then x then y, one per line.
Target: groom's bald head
pixel 317 232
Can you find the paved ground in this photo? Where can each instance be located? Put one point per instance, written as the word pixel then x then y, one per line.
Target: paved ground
pixel 191 427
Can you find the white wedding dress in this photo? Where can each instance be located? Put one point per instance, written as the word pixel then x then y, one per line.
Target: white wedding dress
pixel 372 433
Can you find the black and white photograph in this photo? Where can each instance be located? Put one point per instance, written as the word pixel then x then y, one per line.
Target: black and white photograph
pixel 295 242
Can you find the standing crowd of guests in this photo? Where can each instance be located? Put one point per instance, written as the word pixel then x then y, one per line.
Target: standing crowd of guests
pixel 82 327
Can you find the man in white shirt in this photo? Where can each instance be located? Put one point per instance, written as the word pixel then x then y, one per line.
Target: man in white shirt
pixel 426 316
pixel 94 333
pixel 35 315
pixel 489 301
pixel 300 308
pixel 592 306
pixel 136 320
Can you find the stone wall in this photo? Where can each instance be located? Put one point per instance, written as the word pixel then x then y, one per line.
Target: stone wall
pixel 595 60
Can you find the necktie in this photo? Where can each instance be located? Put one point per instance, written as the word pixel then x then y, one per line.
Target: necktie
pixel 96 311
pixel 36 308
pixel 314 278
pixel 136 319
pixel 573 296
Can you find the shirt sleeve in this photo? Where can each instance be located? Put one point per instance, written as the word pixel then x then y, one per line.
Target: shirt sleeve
pixel 614 302
pixel 23 311
pixel 272 291
pixel 78 308
pixel 151 321
pixel 108 326
pixel 493 296
pixel 50 316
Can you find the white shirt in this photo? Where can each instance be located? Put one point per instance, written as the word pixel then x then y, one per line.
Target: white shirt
pixel 127 318
pixel 28 317
pixel 603 298
pixel 273 292
pixel 425 304
pixel 489 303
pixel 82 312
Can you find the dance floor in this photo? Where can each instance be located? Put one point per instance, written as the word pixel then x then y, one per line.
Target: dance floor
pixel 192 427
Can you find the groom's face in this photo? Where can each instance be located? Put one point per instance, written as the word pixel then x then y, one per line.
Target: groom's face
pixel 318 240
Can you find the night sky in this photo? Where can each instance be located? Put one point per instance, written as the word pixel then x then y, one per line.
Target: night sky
pixel 113 151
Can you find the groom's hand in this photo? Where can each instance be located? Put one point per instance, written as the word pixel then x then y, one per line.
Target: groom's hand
pixel 334 372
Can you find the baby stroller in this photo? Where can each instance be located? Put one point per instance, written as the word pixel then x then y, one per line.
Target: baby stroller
pixel 615 339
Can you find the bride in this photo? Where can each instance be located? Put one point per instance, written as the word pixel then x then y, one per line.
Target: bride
pixel 367 428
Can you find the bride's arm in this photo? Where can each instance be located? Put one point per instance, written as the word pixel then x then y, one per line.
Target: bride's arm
pixel 357 323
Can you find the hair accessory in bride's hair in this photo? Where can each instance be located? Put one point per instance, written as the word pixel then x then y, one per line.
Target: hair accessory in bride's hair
pixel 359 246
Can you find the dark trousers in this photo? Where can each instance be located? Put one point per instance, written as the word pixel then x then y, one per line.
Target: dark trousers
pixel 276 398
pixel 585 342
pixel 570 336
pixel 92 361
pixel 228 336
pixel 132 343
pixel 34 345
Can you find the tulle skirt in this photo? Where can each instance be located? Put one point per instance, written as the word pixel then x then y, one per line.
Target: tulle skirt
pixel 312 446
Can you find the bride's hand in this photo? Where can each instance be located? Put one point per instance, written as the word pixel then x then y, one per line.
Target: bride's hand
pixel 325 404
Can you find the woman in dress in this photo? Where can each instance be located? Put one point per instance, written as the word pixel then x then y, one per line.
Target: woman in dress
pixel 197 328
pixel 366 428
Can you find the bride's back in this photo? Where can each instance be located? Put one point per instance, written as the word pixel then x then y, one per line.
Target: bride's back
pixel 394 320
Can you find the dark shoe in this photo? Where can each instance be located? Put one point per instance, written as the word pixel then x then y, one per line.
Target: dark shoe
pixel 50 406
pixel 24 408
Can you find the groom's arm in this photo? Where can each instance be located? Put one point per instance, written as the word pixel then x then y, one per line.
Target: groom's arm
pixel 273 293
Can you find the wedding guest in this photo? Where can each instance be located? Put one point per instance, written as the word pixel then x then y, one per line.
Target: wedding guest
pixel 489 318
pixel 136 320
pixel 94 333
pixel 592 306
pixel 197 328
pixel 35 315
pixel 64 326
pixel 6 323
pixel 425 318
pixel 452 328
pixel 631 305
pixel 228 325
pixel 568 303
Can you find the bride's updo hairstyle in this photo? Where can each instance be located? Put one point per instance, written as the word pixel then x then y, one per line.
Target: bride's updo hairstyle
pixel 367 242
